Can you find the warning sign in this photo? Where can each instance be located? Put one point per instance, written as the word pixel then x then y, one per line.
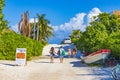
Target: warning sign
pixel 21 56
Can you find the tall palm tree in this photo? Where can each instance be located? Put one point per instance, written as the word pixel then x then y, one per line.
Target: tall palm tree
pixel 24 25
pixel 44 30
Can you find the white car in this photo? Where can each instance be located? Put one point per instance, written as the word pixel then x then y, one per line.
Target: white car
pixel 67 41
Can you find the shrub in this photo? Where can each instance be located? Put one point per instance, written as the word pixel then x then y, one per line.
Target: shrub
pixel 9 41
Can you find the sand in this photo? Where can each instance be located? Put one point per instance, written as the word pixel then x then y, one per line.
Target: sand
pixel 42 69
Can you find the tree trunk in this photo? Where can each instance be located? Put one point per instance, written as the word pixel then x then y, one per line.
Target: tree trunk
pixel 37 32
pixel 34 28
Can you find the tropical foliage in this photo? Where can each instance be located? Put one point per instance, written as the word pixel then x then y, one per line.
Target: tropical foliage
pixel 10 41
pixel 41 30
pixel 104 32
pixel 3 23
pixel 75 35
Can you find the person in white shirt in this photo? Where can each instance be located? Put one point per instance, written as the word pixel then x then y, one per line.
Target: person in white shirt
pixel 61 54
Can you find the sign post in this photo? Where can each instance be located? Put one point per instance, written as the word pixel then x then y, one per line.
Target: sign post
pixel 21 56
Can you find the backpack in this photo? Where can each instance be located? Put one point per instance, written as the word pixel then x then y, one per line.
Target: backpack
pixel 63 52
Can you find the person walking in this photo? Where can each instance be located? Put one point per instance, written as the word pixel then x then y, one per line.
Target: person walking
pixel 52 54
pixel 74 52
pixel 62 53
pixel 69 52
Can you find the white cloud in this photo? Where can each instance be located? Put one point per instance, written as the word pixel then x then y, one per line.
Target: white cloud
pixel 92 13
pixel 76 22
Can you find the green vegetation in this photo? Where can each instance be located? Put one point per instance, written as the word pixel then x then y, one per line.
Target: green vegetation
pixel 10 41
pixel 39 31
pixel 103 33
pixel 45 30
pixel 75 35
pixel 3 23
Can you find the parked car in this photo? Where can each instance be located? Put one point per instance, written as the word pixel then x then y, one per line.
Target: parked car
pixel 67 41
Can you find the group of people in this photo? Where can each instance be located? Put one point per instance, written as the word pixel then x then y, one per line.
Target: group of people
pixel 61 53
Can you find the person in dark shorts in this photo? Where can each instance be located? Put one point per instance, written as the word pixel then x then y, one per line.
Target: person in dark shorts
pixel 52 54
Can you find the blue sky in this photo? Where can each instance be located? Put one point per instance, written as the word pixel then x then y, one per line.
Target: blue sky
pixel 64 15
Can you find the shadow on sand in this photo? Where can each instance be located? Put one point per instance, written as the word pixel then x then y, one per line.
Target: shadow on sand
pixel 78 64
pixel 8 64
pixel 99 72
pixel 92 74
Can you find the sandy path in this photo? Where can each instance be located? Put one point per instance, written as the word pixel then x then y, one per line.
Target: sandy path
pixel 41 69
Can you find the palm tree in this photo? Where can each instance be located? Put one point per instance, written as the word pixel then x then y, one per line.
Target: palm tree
pixel 44 30
pixel 33 29
pixel 75 34
pixel 24 25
